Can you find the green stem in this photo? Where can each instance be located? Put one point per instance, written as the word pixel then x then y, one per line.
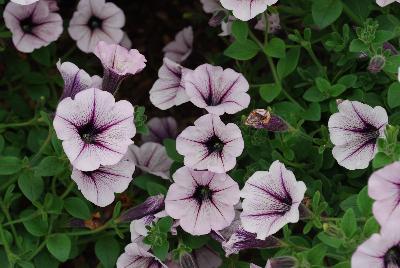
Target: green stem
pixel 10 255
pixel 26 218
pixel 68 190
pixel 36 157
pixel 31 122
pixel 314 58
pixel 89 232
pixel 13 230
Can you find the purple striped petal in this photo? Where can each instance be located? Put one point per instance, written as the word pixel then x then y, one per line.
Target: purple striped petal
pixel 161 128
pixel 137 257
pixel 75 79
pixel 151 206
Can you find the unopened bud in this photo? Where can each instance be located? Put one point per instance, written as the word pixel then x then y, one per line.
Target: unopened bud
pixel 263 119
pixel 186 260
pixel 376 64
pixel 282 262
pixel 217 18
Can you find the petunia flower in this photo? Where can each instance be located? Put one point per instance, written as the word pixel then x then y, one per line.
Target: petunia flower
pixel 204 257
pixel 211 6
pixel 380 250
pixel 247 9
pixel 202 200
pixel 210 144
pixel 95 129
pixel 137 257
pixel 118 64
pixel 24 2
pixel 150 206
pixel 161 128
pixel 383 3
pixel 32 26
pixel 384 188
pixel 271 200
pixel 354 131
pixel 99 186
pixel 53 5
pixel 75 79
pixel 274 23
pixel 152 158
pixel 217 90
pixel 94 21
pixel 126 42
pixel 169 89
pixel 181 48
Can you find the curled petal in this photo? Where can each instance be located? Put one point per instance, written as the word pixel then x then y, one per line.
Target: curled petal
pixel 180 49
pixel 151 206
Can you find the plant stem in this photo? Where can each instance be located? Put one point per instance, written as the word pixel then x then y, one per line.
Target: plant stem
pixel 8 217
pixel 31 122
pixel 10 255
pixel 36 157
pixel 68 190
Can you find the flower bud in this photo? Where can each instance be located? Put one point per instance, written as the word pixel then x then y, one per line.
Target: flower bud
pixel 186 260
pixel 376 64
pixel 282 262
pixel 151 205
pixel 263 119
pixel 217 18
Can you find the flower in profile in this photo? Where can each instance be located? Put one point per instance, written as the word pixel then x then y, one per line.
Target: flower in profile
pixel 137 257
pixel 32 26
pixel 94 21
pixel 169 89
pixel 181 48
pixel 380 250
pixel 161 128
pixel 217 90
pixel 152 158
pixel 150 206
pixel 99 186
pixel 274 23
pixel 210 144
pixel 263 119
pixel 383 3
pixel 271 200
pixel 354 131
pixel 118 63
pixel 75 79
pixel 95 129
pixel 24 2
pixel 384 188
pixel 376 64
pixel 202 201
pixel 247 9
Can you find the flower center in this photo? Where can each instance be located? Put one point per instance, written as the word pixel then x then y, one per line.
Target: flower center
pixel 95 22
pixel 214 144
pixel 202 193
pixel 27 25
pixel 392 257
pixel 88 133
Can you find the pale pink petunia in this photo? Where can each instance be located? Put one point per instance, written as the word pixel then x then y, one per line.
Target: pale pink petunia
pixel 99 186
pixel 380 250
pixel 94 21
pixel 32 26
pixel 247 9
pixel 152 158
pixel 271 200
pixel 210 144
pixel 126 42
pixel 181 48
pixel 354 131
pixel 75 79
pixel 384 188
pixel 217 90
pixel 95 129
pixel 383 3
pixel 118 64
pixel 161 128
pixel 152 205
pixel 53 5
pixel 169 89
pixel 211 6
pixel 202 201
pixel 138 257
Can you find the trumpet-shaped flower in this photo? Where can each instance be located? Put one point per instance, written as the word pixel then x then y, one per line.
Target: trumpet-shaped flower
pixel 99 186
pixel 94 21
pixel 95 129
pixel 169 89
pixel 152 158
pixel 32 26
pixel 354 131
pixel 210 144
pixel 138 257
pixel 201 200
pixel 271 200
pixel 217 90
pixel 181 48
pixel 161 128
pixel 384 3
pixel 247 9
pixel 118 63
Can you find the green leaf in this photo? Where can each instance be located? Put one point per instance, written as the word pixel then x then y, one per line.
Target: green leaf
pixel 59 246
pixel 345 264
pixel 155 188
pixel 371 227
pixel 394 95
pixel 337 90
pixel 77 208
pixel 392 64
pixel 42 56
pixel 364 202
pixel 325 12
pixel 165 224
pixel 349 223
pixel 49 166
pixel 381 160
pixel 161 251
pixel 313 113
pixel 244 50
pixel 36 226
pixel 31 186
pixel 107 251
pixel 240 30
pixel 10 165
pixel 269 92
pixel 170 147
pixel 330 240
pixel 44 259
pixel 288 64
pixel 276 48
pixel 314 95
pixel 358 46
pixel 322 84
pixel 317 254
